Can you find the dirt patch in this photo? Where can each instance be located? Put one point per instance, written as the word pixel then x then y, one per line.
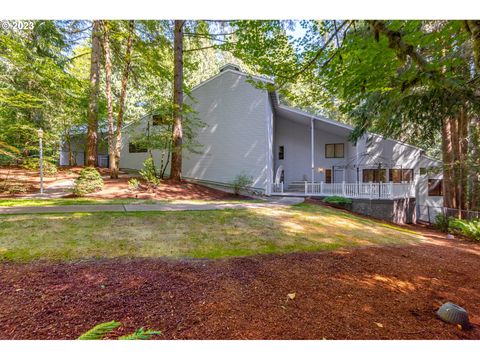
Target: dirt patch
pixel 370 293
pixel 29 180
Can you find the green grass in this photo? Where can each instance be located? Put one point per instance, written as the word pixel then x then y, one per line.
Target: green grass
pixel 93 201
pixel 190 234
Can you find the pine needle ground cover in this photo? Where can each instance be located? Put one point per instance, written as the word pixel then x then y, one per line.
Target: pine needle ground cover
pixel 191 234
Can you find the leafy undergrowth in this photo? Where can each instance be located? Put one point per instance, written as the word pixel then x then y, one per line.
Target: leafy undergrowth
pixel 191 234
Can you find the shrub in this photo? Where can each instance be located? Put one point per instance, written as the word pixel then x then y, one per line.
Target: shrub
pixel 337 200
pixel 15 189
pixel 470 229
pixel 133 183
pixel 148 173
pixel 240 182
pixel 89 181
pixel 442 222
pixel 34 165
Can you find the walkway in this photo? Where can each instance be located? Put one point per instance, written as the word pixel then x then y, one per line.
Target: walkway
pixel 4 210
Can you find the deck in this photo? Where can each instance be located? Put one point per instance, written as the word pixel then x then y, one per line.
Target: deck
pixel 382 191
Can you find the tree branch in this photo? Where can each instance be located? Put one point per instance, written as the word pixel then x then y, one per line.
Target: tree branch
pixel 317 54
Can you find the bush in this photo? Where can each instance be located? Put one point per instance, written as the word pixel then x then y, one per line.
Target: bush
pixel 133 183
pixel 148 173
pixel 470 229
pixel 240 182
pixel 34 165
pixel 337 200
pixel 89 181
pixel 442 222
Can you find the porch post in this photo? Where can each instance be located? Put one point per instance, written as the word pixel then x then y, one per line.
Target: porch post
pixel 312 134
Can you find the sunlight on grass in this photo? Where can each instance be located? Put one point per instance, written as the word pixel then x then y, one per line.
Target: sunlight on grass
pixel 190 234
pixel 93 201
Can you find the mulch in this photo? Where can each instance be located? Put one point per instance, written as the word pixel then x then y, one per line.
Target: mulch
pixel 388 292
pixel 166 190
pixel 113 188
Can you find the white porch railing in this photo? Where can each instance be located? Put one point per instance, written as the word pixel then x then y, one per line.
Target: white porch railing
pixel 354 190
pixel 277 187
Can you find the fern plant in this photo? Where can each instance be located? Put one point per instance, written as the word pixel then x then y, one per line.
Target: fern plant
pixel 140 334
pixel 99 332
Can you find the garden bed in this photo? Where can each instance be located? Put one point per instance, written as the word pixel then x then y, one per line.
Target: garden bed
pixel 114 188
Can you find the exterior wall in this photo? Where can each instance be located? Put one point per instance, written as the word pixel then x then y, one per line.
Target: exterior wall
pixel 134 161
pixel 296 138
pixel 234 138
pixel 77 147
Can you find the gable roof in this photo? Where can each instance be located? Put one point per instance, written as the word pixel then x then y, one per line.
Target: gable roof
pixel 280 108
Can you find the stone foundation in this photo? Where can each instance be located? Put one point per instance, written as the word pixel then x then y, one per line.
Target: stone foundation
pixel 399 211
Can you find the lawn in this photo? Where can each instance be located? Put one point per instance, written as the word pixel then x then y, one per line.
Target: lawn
pixel 191 234
pixel 94 201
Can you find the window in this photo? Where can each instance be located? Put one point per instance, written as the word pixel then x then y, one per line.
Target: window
pixel 435 187
pixel 328 176
pixel 374 175
pixel 281 152
pixel 135 148
pixel 400 175
pixel 334 151
pixel 159 120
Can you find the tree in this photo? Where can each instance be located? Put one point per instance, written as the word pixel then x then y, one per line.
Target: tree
pixel 176 169
pixel 115 130
pixel 92 114
pixel 108 93
pixel 38 87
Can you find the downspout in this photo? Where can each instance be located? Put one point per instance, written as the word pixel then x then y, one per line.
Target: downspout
pixel 270 162
pixel 312 131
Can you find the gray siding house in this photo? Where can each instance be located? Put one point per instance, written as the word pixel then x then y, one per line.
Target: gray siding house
pixel 289 152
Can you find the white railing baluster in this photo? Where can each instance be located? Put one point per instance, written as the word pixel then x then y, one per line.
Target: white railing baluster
pixel 355 190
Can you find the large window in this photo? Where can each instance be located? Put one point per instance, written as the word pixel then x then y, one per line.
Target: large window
pixel 135 148
pixel 281 152
pixel 374 175
pixel 400 175
pixel 334 151
pixel 328 176
pixel 435 187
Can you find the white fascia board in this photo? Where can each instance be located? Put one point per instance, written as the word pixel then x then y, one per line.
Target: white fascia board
pixel 258 78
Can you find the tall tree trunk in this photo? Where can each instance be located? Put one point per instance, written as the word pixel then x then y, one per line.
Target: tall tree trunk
pixel 177 134
pixel 108 91
pixel 92 113
pixel 462 159
pixel 447 157
pixel 123 96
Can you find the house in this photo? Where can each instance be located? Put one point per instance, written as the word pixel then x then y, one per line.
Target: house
pixel 289 152
pixel 73 145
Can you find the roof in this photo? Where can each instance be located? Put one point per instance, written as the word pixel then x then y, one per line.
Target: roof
pixel 298 113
